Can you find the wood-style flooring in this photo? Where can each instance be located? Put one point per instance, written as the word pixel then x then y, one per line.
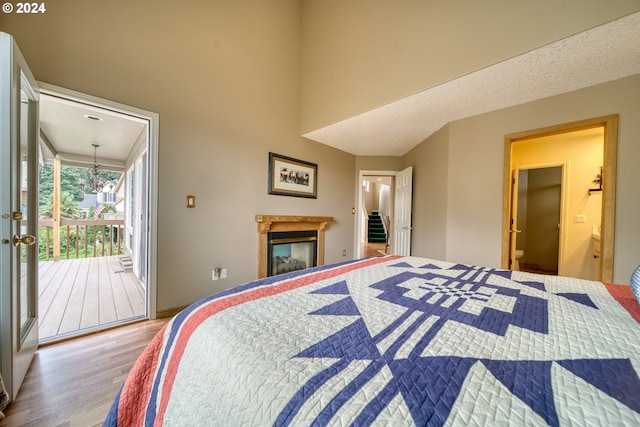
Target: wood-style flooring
pixel 372 249
pixel 73 383
pixel 86 293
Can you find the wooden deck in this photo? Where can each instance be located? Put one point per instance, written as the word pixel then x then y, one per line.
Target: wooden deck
pixel 86 294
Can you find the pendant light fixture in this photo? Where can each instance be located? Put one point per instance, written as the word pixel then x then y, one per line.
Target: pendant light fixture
pixel 94 181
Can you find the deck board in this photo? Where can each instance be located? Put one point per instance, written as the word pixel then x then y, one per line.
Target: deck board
pixel 86 293
pixel 91 307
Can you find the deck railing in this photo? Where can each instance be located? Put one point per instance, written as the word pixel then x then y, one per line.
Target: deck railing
pixel 80 238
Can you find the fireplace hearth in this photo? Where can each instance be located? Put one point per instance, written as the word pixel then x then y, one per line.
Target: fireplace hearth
pixel 289 243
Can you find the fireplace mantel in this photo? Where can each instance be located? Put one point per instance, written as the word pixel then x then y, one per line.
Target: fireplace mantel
pixel 275 223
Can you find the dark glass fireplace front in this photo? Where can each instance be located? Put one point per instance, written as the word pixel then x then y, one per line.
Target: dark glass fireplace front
pixel 291 251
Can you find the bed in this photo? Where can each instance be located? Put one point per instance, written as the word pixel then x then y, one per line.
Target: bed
pixel 394 341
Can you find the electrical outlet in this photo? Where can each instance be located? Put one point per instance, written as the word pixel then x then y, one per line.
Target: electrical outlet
pixel 214 276
pixel 223 273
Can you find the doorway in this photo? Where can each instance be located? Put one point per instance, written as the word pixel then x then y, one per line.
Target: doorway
pixel 376 215
pixel 589 190
pixel 395 189
pixel 98 285
pixel 537 217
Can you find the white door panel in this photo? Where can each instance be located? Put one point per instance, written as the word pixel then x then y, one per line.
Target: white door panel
pixel 18 211
pixel 402 215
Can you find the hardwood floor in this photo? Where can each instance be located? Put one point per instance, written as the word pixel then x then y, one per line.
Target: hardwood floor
pixel 86 293
pixel 74 383
pixel 372 249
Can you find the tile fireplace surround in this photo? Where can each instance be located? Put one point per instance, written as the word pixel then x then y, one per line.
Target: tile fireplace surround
pixel 276 223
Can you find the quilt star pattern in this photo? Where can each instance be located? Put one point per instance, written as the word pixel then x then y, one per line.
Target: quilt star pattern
pixel 402 341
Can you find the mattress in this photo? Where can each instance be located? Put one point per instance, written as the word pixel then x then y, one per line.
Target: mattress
pixel 394 341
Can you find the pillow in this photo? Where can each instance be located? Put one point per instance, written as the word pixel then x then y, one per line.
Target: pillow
pixel 635 283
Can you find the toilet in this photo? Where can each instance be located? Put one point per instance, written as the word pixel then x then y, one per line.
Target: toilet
pixel 519 254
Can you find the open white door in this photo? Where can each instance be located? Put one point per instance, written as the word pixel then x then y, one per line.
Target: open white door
pixel 402 215
pixel 19 220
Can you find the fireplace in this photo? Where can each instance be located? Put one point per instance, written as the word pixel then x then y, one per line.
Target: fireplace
pixel 291 251
pixel 288 243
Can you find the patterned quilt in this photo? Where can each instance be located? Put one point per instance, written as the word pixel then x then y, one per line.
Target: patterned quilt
pixel 394 341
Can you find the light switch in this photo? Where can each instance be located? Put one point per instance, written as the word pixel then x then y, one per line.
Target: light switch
pixel 580 218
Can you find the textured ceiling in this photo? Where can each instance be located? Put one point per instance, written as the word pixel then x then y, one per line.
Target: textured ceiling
pixel 598 55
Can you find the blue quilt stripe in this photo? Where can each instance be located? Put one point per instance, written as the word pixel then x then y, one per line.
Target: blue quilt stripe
pixel 289 412
pixel 615 377
pixel 112 416
pixel 347 392
pixel 430 386
pixel 350 343
pixel 339 288
pixel 344 307
pixel 536 285
pixel 579 298
pixel 530 381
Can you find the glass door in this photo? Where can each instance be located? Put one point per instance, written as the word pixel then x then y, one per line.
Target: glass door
pixel 19 215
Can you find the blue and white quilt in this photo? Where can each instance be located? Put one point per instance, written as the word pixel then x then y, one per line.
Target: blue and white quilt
pixel 394 341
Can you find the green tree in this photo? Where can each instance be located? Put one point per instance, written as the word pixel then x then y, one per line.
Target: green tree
pixel 69 180
pixel 68 206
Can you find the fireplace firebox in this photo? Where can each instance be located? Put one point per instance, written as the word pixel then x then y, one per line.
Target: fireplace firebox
pixel 291 251
pixel 307 249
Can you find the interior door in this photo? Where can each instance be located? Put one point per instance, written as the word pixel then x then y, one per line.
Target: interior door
pixel 19 129
pixel 402 215
pixel 536 217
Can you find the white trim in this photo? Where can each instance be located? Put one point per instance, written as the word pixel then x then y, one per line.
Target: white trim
pixel 153 121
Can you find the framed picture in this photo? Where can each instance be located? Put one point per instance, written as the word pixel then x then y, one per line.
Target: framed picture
pixel 292 177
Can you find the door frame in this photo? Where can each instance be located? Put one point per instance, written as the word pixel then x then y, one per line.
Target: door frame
pixel 609 174
pixel 358 209
pixel 152 175
pixel 563 208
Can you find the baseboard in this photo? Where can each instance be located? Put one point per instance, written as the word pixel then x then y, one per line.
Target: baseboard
pixel 169 313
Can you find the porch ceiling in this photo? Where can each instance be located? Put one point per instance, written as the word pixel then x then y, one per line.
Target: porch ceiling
pixel 69 128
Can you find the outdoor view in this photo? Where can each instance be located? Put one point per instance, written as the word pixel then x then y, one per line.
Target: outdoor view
pixel 90 221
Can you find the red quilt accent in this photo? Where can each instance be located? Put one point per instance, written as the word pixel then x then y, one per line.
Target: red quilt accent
pixel 625 297
pixel 137 387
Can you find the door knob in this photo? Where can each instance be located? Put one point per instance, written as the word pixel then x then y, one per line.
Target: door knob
pixel 26 240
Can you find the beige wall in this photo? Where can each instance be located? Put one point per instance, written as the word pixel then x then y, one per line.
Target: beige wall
pixel 361 54
pixel 473 152
pixel 430 191
pixel 224 78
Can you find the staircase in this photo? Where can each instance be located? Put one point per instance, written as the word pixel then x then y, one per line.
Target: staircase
pixel 376 232
pixel 125 263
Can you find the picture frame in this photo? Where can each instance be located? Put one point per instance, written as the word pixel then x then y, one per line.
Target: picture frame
pixel 292 177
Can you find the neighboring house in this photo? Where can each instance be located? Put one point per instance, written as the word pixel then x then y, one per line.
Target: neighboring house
pixel 111 194
pixel 233 81
pixel 90 200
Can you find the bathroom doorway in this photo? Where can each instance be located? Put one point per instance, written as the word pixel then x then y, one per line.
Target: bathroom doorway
pixel 587 149
pixel 537 219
